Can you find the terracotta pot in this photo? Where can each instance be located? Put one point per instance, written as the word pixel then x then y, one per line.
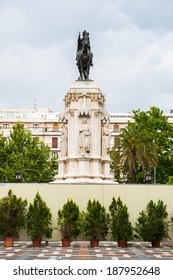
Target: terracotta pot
pixel 155 243
pixel 9 242
pixel 36 242
pixel 94 242
pixel 122 243
pixel 66 242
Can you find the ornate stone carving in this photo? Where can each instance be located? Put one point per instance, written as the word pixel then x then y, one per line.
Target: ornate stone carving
pixel 105 116
pixel 63 117
pixel 64 140
pixel 106 132
pixel 84 109
pixel 97 112
pixel 71 112
pixel 84 149
pixel 84 138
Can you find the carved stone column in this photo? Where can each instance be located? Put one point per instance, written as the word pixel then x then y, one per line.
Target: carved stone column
pixel 85 159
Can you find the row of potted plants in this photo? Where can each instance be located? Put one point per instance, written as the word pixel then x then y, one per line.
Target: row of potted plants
pixel 93 224
pixel 14 216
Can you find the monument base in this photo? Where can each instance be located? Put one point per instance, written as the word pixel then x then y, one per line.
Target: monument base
pixel 84 169
pixel 85 139
pixel 88 181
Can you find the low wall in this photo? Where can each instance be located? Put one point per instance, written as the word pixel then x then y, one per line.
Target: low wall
pixel 135 196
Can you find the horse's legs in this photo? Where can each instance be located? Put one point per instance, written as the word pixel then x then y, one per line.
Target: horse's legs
pixel 83 71
pixel 86 72
pixel 80 72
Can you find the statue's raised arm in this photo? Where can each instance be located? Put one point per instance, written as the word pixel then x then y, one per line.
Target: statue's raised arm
pixel 84 56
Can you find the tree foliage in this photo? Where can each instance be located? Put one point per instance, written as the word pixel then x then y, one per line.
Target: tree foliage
pixel 133 153
pixel 144 144
pixel 2 158
pixel 120 225
pixel 69 220
pixel 95 221
pixel 152 223
pixel 12 215
pixel 155 124
pixel 39 219
pixel 29 155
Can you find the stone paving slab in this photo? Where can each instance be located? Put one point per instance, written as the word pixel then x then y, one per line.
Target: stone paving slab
pixel 81 250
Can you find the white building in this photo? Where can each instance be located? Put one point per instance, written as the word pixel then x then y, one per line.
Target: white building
pixel 45 124
pixel 41 122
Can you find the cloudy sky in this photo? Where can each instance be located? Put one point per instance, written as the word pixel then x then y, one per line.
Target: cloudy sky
pixel 131 40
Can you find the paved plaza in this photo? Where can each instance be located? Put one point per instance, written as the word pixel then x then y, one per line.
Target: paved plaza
pixel 81 250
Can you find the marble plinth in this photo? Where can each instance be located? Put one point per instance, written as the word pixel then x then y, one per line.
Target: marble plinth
pixel 85 135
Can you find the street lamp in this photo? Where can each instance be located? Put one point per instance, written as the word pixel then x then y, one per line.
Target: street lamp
pixel 148 177
pixel 18 176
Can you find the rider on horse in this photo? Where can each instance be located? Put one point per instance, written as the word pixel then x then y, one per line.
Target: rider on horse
pixel 84 56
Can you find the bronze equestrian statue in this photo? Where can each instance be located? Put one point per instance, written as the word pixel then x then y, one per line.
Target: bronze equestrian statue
pixel 84 56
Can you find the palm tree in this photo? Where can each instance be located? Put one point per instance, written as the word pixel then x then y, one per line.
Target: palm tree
pixel 133 149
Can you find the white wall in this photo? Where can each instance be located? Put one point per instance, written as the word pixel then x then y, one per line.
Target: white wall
pixel 134 196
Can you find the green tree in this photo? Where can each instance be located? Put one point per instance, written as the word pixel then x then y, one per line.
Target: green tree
pixel 156 125
pixel 29 155
pixel 2 158
pixel 12 215
pixel 120 225
pixel 152 223
pixel 151 134
pixel 95 221
pixel 133 153
pixel 69 220
pixel 170 180
pixel 39 219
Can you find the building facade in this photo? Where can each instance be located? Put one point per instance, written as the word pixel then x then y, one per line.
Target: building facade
pixel 45 124
pixel 40 122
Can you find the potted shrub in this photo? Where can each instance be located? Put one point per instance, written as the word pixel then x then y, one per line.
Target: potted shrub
pixel 95 222
pixel 68 222
pixel 152 224
pixel 120 226
pixel 171 222
pixel 12 217
pixel 39 219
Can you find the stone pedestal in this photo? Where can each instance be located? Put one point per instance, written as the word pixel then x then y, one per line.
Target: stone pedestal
pixel 85 135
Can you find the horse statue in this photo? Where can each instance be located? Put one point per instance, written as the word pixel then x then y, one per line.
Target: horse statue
pixel 84 56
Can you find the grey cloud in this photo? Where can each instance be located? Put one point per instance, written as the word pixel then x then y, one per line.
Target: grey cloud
pixel 133 60
pixel 149 14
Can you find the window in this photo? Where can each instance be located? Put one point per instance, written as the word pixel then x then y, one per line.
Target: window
pixel 54 142
pixel 6 125
pixel 35 126
pixel 55 127
pixel 54 154
pixel 116 128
